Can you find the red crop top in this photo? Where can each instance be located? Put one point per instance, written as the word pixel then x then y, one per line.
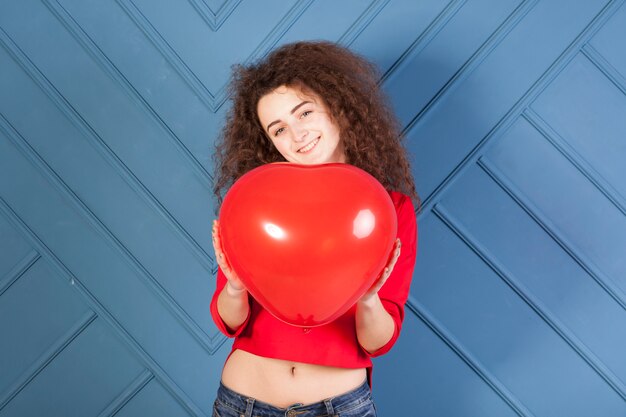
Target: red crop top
pixel 335 343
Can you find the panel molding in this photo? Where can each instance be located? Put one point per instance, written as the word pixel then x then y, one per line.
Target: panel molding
pixel 605 67
pixel 84 40
pixel 101 312
pixel 169 54
pixel 18 270
pixel 532 301
pixel 47 356
pixel 212 18
pixel 518 14
pixel 468 358
pixel 102 148
pixel 359 25
pixel 538 217
pixel 213 100
pixel 537 87
pixel 210 345
pixel 575 158
pixel 128 394
pixel 424 38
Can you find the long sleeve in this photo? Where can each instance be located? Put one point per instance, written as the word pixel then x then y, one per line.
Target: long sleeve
pixel 219 286
pixel 395 291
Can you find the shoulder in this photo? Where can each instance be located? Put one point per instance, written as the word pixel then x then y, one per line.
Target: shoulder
pixel 407 219
pixel 401 202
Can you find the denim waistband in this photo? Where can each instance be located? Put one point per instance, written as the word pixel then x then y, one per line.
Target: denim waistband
pixel 247 406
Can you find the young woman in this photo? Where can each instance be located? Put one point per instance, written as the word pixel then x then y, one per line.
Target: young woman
pixel 311 103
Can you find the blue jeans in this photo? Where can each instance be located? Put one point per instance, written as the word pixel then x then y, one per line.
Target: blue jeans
pixel 355 403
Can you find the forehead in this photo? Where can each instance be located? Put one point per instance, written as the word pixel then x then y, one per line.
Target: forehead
pixel 281 100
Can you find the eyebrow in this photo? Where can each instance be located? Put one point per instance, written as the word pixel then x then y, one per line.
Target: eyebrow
pixel 292 112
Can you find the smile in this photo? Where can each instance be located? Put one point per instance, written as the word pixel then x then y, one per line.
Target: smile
pixel 309 146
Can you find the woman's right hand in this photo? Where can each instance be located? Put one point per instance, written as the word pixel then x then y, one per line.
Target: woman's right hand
pixel 234 286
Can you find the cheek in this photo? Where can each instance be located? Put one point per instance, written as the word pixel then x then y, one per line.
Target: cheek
pixel 335 131
pixel 280 145
pixel 332 126
pixel 327 125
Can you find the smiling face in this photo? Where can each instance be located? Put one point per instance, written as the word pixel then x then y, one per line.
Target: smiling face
pixel 300 127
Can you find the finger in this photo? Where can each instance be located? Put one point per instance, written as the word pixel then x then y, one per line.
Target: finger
pixel 376 286
pixel 217 241
pixel 214 229
pixel 397 250
pixel 381 280
pixel 392 260
pixel 219 258
pixel 217 247
pixel 220 255
pixel 391 265
pixel 396 254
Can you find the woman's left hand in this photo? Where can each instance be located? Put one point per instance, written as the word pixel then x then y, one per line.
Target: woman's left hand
pixel 393 258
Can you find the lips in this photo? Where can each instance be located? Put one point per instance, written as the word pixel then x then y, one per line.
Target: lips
pixel 309 146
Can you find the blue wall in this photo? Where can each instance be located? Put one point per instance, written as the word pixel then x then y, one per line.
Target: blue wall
pixel 515 117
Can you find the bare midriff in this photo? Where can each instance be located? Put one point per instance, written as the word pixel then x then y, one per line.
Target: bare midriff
pixel 283 383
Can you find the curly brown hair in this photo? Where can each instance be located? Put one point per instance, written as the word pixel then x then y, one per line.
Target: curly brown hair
pixel 346 82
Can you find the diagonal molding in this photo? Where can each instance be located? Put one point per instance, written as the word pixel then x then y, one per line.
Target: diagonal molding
pixel 103 149
pixel 208 343
pixel 359 25
pixel 100 312
pixel 576 159
pixel 46 357
pixel 18 270
pixel 524 101
pixel 213 100
pixel 605 67
pixel 447 337
pixel 103 61
pixel 531 300
pixel 128 394
pixel 215 19
pixel 425 37
pixel 476 58
pixel 544 222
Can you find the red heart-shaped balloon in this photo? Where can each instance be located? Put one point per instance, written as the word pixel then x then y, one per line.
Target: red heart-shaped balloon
pixel 307 241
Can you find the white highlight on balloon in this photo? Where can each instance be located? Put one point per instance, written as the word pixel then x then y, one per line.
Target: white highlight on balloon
pixel 363 224
pixel 274 231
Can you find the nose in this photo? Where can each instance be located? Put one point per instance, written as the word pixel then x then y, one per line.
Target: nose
pixel 300 133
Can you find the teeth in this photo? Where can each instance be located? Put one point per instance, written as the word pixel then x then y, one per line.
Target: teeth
pixel 309 146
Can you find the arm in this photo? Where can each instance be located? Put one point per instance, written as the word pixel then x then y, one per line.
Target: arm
pixel 231 307
pixel 380 312
pixel 374 325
